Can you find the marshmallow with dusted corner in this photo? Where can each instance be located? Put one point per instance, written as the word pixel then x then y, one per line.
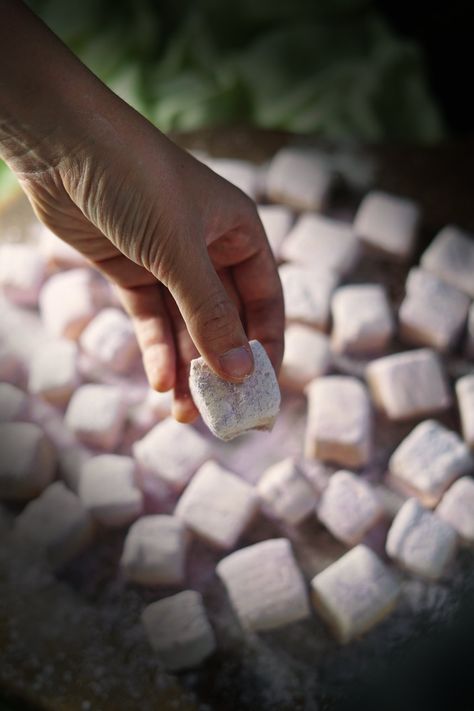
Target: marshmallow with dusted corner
pixel 286 493
pixel 307 356
pixel 362 319
pixel 96 415
pixel 307 295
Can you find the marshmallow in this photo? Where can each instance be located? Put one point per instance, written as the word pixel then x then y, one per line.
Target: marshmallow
pixel 110 339
pixel 70 461
pixel 362 319
pixel 451 257
pixel 298 178
pixel 179 631
pixel 230 409
pixel 96 415
pixel 427 462
pixel 27 462
pixel 56 524
pixel 307 295
pixel 264 584
pixel 155 551
pixel 307 356
pixel 433 313
pixel 470 333
pixel 388 223
pixel 10 365
pixel 420 541
pixel 53 372
pixel 355 593
pixel 22 273
pixel 217 505
pixel 107 488
pixel 339 425
pixel 13 403
pixel 349 507
pixel 408 385
pixel 277 221
pixel 241 173
pixel 160 403
pixel 172 452
pixel 327 244
pixel 286 493
pixel 465 396
pixel 457 508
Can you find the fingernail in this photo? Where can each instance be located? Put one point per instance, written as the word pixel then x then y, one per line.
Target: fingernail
pixel 237 363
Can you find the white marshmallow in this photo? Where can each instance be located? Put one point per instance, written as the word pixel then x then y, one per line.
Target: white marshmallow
pixel 362 319
pixel 355 593
pixel 457 508
pixel 408 385
pixel 71 460
pixel 451 257
pixel 11 365
pixel 96 415
pixel 108 489
pixel 388 223
pixel 110 339
pixel 28 460
pixel 160 403
pixel 307 356
pixel 307 295
pixel 339 425
pixel 465 396
pixel 298 178
pixel 264 584
pixel 179 631
pixel 470 333
pixel 277 221
pixel 217 505
pixel 22 273
pixel 420 541
pixel 286 493
pixel 230 409
pixel 349 507
pixel 53 372
pixel 13 403
pixel 427 462
pixel 154 552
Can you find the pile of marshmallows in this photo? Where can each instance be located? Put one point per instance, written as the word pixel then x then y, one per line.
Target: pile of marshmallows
pixel 73 400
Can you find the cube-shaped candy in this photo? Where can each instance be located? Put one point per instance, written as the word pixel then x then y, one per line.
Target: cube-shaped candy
pixel 457 508
pixel 27 462
pixel 179 631
pixel 451 257
pixel 159 403
pixel 427 462
pixel 327 244
pixel 54 373
pixel 277 221
pixel 69 300
pixel 265 585
pixel 172 452
pixel 388 223
pixel 433 313
pixel 349 507
pixel 408 385
pixel 307 295
pixel 465 396
pixel 230 409
pixel 217 505
pixel 22 273
pixel 107 487
pixel 57 524
pixel 362 319
pixel 110 339
pixel 355 593
pixel 241 173
pixel 286 492
pixel 339 425
pixel 299 178
pixel 70 462
pixel 307 356
pixel 58 253
pixel 470 333
pixel 11 365
pixel 420 541
pixel 155 551
pixel 96 415
pixel 13 403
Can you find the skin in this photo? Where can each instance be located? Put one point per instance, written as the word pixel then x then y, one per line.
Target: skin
pixel 186 249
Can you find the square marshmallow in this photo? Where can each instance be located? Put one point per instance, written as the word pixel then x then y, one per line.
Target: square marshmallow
pixel 433 313
pixel 298 178
pixel 470 333
pixel 355 593
pixel 277 221
pixel 427 462
pixel 11 365
pixel 465 396
pixel 27 462
pixel 265 585
pixel 307 295
pixel 362 319
pixel 172 452
pixel 13 403
pixel 179 631
pixel 408 385
pixel 307 356
pixel 451 257
pixel 388 223
pixel 110 340
pixel 22 273
pixel 286 493
pixel 96 415
pixel 230 409
pixel 457 508
pixel 339 424
pixel 70 462
pixel 154 552
pixel 217 505
pixel 57 524
pixel 53 372
pixel 107 488
pixel 420 541
pixel 349 507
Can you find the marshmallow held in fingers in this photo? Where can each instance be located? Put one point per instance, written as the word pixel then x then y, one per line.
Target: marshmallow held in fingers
pixel 27 462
